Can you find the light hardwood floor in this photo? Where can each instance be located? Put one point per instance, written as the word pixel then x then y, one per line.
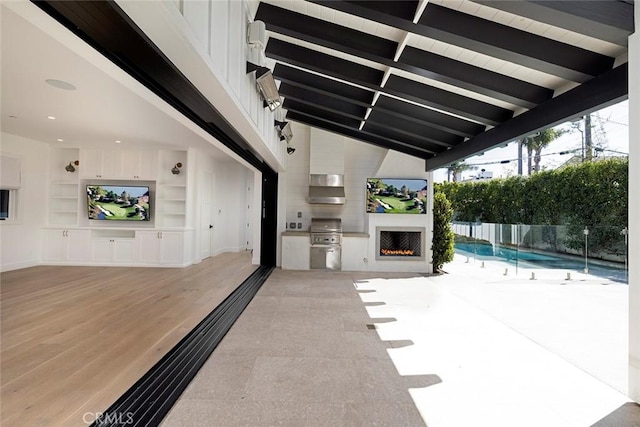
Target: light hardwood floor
pixel 75 338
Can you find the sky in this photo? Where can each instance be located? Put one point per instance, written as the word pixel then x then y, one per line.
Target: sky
pixel 612 135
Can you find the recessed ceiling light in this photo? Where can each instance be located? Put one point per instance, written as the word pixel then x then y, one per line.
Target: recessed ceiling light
pixel 60 140
pixel 60 84
pixel 118 141
pixel 51 118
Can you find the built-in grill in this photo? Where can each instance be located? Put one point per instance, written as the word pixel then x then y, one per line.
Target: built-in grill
pixel 326 243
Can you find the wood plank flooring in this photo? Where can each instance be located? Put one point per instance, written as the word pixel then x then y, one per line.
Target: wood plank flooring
pixel 75 338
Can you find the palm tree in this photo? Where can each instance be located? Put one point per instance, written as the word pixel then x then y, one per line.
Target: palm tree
pixel 536 143
pixel 455 169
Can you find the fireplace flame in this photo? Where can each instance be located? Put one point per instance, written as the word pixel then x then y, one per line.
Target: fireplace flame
pixel 407 252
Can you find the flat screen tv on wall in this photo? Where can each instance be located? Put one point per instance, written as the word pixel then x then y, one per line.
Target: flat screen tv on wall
pixel 118 202
pixel 396 196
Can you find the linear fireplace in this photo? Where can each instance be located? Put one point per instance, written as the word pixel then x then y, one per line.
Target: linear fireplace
pixel 400 243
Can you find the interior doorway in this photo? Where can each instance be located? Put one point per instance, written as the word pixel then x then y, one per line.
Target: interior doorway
pixel 207 226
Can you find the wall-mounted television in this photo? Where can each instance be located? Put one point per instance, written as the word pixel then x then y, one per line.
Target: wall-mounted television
pixel 118 202
pixel 396 196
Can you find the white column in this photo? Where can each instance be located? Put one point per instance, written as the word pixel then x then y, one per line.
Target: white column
pixel 634 211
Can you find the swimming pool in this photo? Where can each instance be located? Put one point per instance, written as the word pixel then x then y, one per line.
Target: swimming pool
pixel 531 259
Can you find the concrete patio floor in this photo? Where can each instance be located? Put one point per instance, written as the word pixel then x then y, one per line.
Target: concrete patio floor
pixel 469 348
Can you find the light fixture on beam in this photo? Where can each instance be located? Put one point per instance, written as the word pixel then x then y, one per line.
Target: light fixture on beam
pixel 266 85
pixel 284 130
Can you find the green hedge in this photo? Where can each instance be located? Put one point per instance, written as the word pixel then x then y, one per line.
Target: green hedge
pixel 590 194
pixel 593 193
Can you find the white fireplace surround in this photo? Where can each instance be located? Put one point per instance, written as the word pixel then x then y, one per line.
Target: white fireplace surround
pixel 409 258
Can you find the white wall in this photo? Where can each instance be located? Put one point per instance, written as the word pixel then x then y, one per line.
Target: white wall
pixel 206 40
pixel 399 165
pixel 634 211
pixel 361 161
pixel 21 240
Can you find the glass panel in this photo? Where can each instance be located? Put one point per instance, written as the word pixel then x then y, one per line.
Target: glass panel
pixel 600 251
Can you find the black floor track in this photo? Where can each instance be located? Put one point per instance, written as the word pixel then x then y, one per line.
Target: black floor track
pixel 149 400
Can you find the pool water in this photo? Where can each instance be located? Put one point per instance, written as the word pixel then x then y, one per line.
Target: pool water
pixel 537 260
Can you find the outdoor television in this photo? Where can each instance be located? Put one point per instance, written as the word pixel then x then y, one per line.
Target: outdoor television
pixel 397 196
pixel 118 202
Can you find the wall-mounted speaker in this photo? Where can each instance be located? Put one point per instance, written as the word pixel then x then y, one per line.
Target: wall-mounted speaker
pixel 257 35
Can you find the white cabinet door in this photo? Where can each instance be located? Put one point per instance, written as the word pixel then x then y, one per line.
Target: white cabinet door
pixel 139 165
pixel 100 164
pixel 171 247
pixel 148 165
pixel 78 245
pixel 295 253
pixel 116 250
pixel 54 246
pixel 355 253
pixel 124 251
pixel 63 245
pixel 161 247
pixel 101 250
pixel 148 246
pixel 119 164
pixel 91 163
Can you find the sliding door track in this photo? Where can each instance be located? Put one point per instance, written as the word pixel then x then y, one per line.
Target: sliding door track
pixel 149 400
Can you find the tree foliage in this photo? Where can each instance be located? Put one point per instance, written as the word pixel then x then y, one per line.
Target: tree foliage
pixel 538 142
pixel 591 194
pixel 442 233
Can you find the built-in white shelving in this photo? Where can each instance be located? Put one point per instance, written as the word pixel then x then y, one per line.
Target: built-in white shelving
pixel 71 238
pixel 63 187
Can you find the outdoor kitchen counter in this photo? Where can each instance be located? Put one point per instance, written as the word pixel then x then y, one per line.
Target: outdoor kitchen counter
pixel 306 233
pixel 354 234
pixel 296 245
pixel 295 233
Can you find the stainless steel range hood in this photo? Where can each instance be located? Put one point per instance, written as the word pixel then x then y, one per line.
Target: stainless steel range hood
pixel 326 189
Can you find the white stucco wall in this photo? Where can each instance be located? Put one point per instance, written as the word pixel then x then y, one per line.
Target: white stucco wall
pixel 21 239
pixel 634 211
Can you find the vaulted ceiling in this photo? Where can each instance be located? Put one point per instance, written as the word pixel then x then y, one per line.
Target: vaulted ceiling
pixel 445 79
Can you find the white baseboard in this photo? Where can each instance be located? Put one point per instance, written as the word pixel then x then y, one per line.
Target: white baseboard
pixel 18 265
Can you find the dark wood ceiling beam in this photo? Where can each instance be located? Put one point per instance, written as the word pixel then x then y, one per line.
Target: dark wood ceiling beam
pixel 310 120
pixel 413 129
pixel 489 38
pixel 428 117
pixel 513 45
pixel 607 20
pixel 310 97
pixel 399 135
pixel 364 76
pixel 378 132
pixel 470 77
pixel 323 85
pixel 294 77
pixel 380 50
pixel 318 31
pixel 600 92
pixel 325 64
pixel 291 104
pixel 443 100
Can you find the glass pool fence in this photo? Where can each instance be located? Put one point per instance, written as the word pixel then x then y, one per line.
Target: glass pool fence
pixel 596 250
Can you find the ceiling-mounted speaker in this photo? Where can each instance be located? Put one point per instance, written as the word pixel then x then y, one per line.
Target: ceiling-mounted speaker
pixel 257 35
